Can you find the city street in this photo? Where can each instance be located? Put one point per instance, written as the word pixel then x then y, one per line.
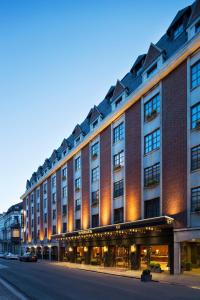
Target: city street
pixel 44 280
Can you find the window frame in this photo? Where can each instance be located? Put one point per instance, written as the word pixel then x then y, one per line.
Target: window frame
pixel 154 142
pixel 118 133
pixel 197 72
pixel 118 188
pixel 195 120
pixel 195 204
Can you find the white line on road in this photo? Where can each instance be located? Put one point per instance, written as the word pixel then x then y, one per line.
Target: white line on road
pixel 13 290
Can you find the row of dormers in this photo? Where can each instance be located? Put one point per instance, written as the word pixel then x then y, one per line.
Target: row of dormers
pixel 184 26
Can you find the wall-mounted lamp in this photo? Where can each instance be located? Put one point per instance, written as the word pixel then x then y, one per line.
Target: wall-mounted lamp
pixel 133 248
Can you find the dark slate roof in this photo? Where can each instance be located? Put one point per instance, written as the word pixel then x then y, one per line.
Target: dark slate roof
pixel 153 53
pixel 94 113
pixel 119 89
pixel 15 207
pixel 133 79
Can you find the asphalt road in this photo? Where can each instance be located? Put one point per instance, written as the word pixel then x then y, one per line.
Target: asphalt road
pixel 45 281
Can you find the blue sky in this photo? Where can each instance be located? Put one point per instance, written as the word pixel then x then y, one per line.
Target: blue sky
pixel 57 59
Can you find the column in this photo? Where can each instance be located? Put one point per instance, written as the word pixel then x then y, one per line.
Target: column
pixel 177 258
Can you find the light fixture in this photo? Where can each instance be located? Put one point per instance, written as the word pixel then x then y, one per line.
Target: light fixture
pixel 105 249
pixel 133 248
pixel 70 249
pixel 85 249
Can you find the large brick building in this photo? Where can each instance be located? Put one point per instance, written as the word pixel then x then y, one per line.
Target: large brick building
pixel 124 188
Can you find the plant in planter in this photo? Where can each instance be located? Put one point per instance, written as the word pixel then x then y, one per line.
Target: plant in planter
pixel 77 189
pixel 94 156
pixel 117 167
pixel 155 267
pixel 151 115
pixel 146 275
pixel 151 182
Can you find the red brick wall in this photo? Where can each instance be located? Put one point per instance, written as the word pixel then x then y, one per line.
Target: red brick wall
pixel 41 214
pixel 85 187
pixel 174 144
pixel 105 176
pixel 133 162
pixel 49 217
pixel 58 202
pixel 70 190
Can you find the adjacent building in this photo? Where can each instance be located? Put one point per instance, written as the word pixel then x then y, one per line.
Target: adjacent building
pixel 124 188
pixel 11 224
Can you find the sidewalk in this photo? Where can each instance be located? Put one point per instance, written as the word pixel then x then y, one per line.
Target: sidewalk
pixel 190 280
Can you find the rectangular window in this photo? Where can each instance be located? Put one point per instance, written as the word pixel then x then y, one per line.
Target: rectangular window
pixel 45 188
pixel 152 175
pixel 197 27
pixel 38 207
pixel 54 198
pixel 78 224
pixel 95 123
pixel 95 197
pixel 32 211
pixel 64 173
pixel 64 210
pixel 95 150
pixel 45 232
pixel 53 181
pixel 195 199
pixel 95 174
pixel 152 208
pixel 45 218
pixel 64 227
pixel 78 140
pixel 78 204
pixel 118 188
pixel 54 229
pixel 119 215
pixel 38 193
pixel 195 75
pixel 195 158
pixel 179 29
pixel 77 163
pixel 95 220
pixel 118 133
pixel 152 70
pixel 38 220
pixel 195 116
pixel 118 101
pixel 77 184
pixel 45 203
pixel 152 141
pixel 118 159
pixel 152 108
pixel 38 234
pixel 54 214
pixel 64 192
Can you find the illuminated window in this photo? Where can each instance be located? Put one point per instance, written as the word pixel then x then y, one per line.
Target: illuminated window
pixel 95 174
pixel 152 108
pixel 118 133
pixel 77 163
pixel 195 75
pixel 195 158
pixel 152 208
pixel 118 188
pixel 195 199
pixel 152 141
pixel 195 116
pixel 152 175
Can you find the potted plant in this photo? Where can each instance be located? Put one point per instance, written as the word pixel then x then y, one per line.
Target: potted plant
pixel 146 275
pixel 117 167
pixel 151 115
pixel 151 182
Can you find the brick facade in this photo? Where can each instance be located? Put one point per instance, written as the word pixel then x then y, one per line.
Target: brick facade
pixel 85 187
pixel 70 189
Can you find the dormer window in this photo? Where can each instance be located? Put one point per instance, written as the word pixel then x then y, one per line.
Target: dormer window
pixel 197 27
pixel 118 101
pixel 152 70
pixel 95 123
pixel 178 30
pixel 77 141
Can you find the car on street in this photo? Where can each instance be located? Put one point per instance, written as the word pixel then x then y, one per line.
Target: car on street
pixel 12 256
pixel 28 257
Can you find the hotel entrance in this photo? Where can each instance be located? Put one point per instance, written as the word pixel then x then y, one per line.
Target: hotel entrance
pixel 155 257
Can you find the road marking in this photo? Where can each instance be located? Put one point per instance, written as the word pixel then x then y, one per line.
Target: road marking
pixel 3 266
pixel 13 290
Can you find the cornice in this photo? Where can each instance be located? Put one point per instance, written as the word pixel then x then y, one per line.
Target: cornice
pixel 172 63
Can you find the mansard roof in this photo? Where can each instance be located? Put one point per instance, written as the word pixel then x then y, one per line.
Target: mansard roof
pixel 132 80
pixel 40 171
pixel 55 155
pixel 94 114
pixel 28 184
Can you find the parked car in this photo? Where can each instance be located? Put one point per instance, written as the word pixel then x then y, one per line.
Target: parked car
pixel 11 256
pixel 28 257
